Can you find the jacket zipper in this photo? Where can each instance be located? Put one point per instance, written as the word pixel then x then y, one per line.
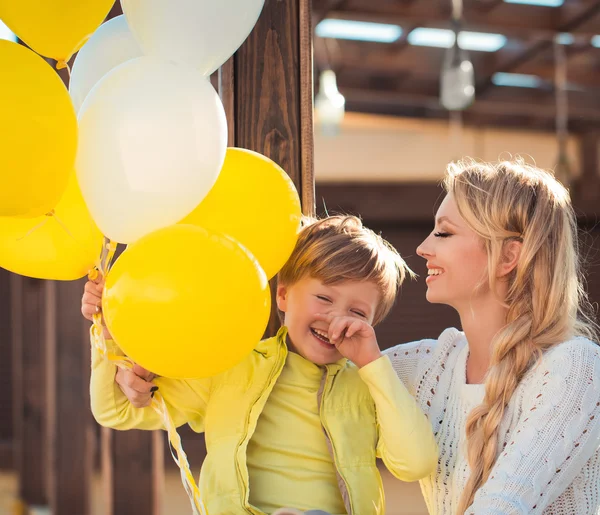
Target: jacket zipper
pixel 341 479
pixel 275 370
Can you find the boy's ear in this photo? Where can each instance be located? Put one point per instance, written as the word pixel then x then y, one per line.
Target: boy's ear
pixel 281 297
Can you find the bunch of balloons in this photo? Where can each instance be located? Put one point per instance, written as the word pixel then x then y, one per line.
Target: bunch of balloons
pixel 136 151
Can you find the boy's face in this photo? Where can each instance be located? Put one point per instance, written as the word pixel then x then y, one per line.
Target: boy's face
pixel 308 297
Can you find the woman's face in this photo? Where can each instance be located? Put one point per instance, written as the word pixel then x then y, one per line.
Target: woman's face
pixel 456 260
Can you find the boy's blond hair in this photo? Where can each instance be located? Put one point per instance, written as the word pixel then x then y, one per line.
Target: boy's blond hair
pixel 340 248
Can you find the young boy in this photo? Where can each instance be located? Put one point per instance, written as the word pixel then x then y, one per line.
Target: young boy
pixel 300 422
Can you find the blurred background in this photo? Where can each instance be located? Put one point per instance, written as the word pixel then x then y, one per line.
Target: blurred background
pixel 397 97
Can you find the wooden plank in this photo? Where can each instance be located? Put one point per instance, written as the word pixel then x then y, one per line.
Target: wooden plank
pixel 29 360
pixel 70 424
pixel 226 87
pixel 307 157
pixel 6 401
pixel 586 190
pixel 132 472
pixel 383 203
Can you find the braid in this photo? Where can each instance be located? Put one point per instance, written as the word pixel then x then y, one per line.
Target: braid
pixel 514 352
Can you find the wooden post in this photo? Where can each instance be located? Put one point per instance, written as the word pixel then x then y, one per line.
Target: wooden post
pixel 273 92
pixel 29 385
pixel 70 425
pixel 6 401
pixel 267 91
pixel 133 472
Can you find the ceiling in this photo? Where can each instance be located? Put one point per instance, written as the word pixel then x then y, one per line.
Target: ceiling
pixel 402 79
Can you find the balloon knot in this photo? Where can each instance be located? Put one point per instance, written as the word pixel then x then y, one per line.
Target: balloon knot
pixel 50 213
pixel 61 64
pixel 93 274
pixel 111 246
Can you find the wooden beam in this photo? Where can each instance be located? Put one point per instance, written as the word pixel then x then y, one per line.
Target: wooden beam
pixel 569 21
pixel 509 19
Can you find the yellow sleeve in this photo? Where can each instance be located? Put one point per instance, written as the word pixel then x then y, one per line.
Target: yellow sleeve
pixel 406 441
pixel 186 399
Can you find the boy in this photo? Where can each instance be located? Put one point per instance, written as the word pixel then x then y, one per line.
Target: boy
pixel 301 421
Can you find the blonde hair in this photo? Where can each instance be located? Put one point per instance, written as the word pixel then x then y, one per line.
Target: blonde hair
pixel 340 248
pixel 546 301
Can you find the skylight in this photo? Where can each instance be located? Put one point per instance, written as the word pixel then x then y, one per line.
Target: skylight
pixel 565 38
pixel 444 38
pixel 6 33
pixel 541 3
pixel 516 80
pixel 358 30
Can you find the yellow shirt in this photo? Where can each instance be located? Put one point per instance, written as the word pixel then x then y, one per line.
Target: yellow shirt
pixel 288 460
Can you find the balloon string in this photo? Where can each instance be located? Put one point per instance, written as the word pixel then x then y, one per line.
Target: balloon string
pixel 158 403
pixel 36 227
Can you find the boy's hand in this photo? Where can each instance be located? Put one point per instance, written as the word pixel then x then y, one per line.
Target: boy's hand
pixel 91 302
pixel 136 385
pixel 354 338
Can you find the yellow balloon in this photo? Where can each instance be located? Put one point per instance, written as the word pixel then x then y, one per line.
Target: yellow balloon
pixel 62 246
pixel 184 302
pixel 255 202
pixel 54 28
pixel 39 134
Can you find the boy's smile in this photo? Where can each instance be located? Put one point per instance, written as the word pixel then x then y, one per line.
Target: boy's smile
pixel 309 297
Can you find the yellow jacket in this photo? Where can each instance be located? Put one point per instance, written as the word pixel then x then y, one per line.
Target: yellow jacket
pixel 365 414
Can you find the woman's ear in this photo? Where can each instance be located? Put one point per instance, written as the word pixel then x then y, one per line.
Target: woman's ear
pixel 281 297
pixel 511 252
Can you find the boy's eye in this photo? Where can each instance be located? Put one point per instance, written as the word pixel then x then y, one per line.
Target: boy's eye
pixel 442 234
pixel 323 298
pixel 359 313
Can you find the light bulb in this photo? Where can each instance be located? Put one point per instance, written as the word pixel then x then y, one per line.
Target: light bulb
pixel 329 104
pixel 457 90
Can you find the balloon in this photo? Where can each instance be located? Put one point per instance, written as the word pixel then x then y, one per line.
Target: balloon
pixel 62 246
pixel 39 137
pixel 201 33
pixel 54 28
pixel 153 137
pixel 255 202
pixel 111 45
pixel 184 302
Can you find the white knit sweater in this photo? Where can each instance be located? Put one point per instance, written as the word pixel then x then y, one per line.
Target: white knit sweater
pixel 549 450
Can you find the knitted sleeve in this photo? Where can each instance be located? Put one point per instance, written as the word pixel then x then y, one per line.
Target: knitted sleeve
pixel 557 434
pixel 410 360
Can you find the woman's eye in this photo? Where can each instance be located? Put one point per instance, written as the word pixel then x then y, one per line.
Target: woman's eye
pixel 442 234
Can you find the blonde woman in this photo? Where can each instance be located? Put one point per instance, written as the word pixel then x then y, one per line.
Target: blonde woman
pixel 514 400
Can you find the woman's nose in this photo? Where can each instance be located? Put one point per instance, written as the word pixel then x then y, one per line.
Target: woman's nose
pixel 423 249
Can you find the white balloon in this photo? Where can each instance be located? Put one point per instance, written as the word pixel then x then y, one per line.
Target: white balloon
pixel 111 45
pixel 152 141
pixel 201 33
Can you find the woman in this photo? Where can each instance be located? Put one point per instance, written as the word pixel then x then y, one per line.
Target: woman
pixel 514 401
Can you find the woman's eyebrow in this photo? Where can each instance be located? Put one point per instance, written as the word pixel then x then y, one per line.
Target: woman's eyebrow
pixel 445 219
